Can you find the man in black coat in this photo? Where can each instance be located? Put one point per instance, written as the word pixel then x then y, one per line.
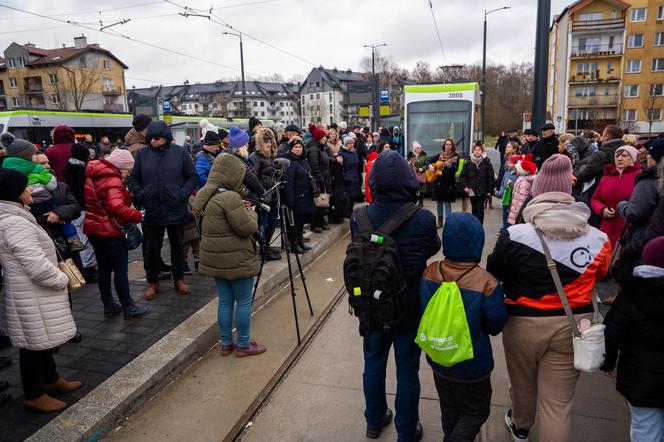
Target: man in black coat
pixel 162 181
pixel 546 146
pixel 531 139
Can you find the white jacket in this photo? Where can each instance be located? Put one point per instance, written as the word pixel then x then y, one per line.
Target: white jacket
pixel 36 301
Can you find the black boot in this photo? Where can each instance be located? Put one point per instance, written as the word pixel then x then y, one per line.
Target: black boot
pixel 302 245
pixel 295 248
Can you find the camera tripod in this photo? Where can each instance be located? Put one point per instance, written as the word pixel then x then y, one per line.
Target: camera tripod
pixel 283 216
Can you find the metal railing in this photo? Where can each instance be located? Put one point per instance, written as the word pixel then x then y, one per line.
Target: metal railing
pixel 597 50
pixel 594 100
pixel 593 76
pixel 598 25
pixel 111 89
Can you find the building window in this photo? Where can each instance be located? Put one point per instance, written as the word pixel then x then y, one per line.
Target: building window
pixel 629 115
pixel 107 65
pixel 587 91
pixel 16 102
pixel 639 14
pixel 262 113
pixel 591 16
pixel 330 96
pixel 11 62
pixel 21 62
pixel 255 103
pixel 317 96
pixel 330 108
pixel 633 66
pixel 654 114
pixel 660 13
pixel 587 68
pixel 281 113
pixel 631 91
pixel 590 44
pixel 311 96
pixel 53 78
pixel 12 82
pixel 658 64
pixel 609 67
pixel 55 99
pixel 281 104
pixel 635 41
pixel 659 39
pixel 318 84
pixel 656 90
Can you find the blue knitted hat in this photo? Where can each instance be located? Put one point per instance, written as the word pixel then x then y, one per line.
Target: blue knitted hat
pixel 238 137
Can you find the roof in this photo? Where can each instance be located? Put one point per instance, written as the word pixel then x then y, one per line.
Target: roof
pixel 580 4
pixel 190 92
pixel 60 55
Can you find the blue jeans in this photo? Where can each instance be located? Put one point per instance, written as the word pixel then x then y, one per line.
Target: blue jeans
pixel 112 258
pixel 235 297
pixel 647 424
pixel 506 214
pixel 407 359
pixel 444 208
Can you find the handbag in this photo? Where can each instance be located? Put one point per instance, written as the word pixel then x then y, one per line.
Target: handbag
pixel 75 279
pixel 322 200
pixel 588 344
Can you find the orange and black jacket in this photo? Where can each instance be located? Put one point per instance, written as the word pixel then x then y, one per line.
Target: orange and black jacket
pixel 519 262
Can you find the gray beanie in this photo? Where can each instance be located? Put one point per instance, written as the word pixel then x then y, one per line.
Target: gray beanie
pixel 348 140
pixel 20 148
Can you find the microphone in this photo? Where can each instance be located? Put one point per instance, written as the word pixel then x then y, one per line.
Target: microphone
pixel 281 163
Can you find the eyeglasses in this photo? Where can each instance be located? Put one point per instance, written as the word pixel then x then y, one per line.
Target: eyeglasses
pixel 624 155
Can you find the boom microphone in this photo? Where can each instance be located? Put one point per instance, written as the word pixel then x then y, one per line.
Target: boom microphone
pixel 281 163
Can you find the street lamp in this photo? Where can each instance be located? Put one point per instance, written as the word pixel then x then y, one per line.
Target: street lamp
pixel 374 83
pixel 244 90
pixel 483 97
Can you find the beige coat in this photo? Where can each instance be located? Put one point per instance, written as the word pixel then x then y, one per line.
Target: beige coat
pixel 36 301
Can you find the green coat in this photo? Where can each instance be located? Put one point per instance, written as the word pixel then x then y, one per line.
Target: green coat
pixel 228 249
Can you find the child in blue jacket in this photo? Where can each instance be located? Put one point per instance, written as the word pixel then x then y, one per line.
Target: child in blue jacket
pixel 464 389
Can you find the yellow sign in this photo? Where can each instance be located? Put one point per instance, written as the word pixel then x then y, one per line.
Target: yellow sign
pixel 364 111
pixel 384 110
pixel 168 119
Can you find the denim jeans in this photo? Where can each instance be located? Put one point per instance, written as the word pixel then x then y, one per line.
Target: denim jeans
pixel 235 297
pixel 112 258
pixel 647 424
pixel 407 359
pixel 444 208
pixel 506 214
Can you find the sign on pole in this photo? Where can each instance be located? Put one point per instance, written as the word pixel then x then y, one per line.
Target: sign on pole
pixel 167 106
pixel 384 95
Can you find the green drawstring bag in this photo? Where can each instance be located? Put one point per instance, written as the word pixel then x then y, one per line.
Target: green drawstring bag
pixel 443 333
pixel 507 198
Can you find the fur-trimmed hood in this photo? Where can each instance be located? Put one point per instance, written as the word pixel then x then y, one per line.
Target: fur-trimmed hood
pixel 261 148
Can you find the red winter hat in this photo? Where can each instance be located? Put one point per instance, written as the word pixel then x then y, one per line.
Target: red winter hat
pixel 316 132
pixel 524 164
pixel 653 253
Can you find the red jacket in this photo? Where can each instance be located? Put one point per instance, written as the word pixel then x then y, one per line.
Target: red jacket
pixel 367 169
pixel 60 152
pixel 106 196
pixel 613 188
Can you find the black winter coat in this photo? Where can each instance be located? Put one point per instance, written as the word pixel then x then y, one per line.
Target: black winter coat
pixel 352 176
pixel 479 178
pixel 544 148
pixel 263 168
pixel 74 173
pixel 319 161
pixel 297 193
pixel 635 334
pixel 444 188
pixel 641 205
pixel 592 166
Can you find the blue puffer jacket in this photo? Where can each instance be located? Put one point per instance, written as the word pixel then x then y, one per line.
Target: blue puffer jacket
pixel 352 176
pixel 482 294
pixel 163 179
pixel 203 163
pixel 393 184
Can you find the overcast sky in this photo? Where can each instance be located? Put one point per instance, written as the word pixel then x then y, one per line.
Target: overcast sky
pixel 316 32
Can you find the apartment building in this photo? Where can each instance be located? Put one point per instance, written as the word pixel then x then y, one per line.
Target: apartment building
pixel 325 95
pixel 83 77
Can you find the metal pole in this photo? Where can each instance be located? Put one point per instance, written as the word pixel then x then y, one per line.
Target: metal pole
pixel 373 82
pixel 483 95
pixel 244 90
pixel 541 63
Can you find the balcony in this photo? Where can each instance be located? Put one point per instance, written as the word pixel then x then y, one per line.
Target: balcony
pixel 109 89
pixel 594 100
pixel 597 51
pixel 598 25
pixel 3 104
pixel 593 77
pixel 33 85
pixel 114 108
pixel 593 124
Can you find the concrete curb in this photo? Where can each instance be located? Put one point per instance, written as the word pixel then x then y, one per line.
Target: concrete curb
pixel 134 384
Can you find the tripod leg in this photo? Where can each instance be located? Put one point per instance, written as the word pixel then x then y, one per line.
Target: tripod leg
pixel 284 235
pixel 304 283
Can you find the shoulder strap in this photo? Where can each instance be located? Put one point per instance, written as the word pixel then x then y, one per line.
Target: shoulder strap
pixel 362 218
pixel 401 216
pixel 202 212
pixel 551 264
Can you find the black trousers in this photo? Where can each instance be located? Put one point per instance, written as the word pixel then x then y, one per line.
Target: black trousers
pixel 296 231
pixel 464 407
pixel 37 369
pixel 153 236
pixel 477 207
pixel 318 218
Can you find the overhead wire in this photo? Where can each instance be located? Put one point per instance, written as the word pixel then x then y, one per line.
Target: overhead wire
pixel 435 24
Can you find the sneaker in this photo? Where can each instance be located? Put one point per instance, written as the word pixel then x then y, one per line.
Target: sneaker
pixel 253 350
pixel 187 269
pixel 517 434
pixel 134 311
pixel 374 433
pixel 228 349
pixel 112 310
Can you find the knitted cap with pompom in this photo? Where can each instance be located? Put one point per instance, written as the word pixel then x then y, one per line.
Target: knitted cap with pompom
pixel 238 137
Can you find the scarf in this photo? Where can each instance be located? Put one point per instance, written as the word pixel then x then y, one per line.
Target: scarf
pixel 557 215
pixel 476 161
pixel 446 157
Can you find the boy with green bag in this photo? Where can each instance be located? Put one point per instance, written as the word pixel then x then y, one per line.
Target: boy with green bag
pixel 462 305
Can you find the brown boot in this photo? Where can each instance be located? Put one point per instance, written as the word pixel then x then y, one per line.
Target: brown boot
pixel 439 223
pixel 44 403
pixel 62 386
pixel 181 287
pixel 151 291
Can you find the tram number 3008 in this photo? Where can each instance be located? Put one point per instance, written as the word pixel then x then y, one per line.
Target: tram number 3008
pixel 455 95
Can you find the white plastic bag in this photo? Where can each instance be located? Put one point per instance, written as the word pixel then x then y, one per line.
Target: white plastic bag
pixel 589 350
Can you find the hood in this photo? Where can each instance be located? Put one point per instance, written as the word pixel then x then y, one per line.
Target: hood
pixel 580 144
pixel 610 169
pixel 63 134
pixel 20 165
pixel 101 168
pixel 134 137
pixel 392 179
pixel 228 172
pixel 159 129
pixel 463 238
pixel 260 144
pixel 558 215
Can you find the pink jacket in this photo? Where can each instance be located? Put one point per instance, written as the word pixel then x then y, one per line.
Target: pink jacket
pixel 613 188
pixel 520 193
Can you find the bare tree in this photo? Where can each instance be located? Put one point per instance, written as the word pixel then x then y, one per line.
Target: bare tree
pixel 74 82
pixel 652 105
pixel 421 73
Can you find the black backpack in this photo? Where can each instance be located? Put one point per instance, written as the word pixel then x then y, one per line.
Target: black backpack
pixel 373 273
